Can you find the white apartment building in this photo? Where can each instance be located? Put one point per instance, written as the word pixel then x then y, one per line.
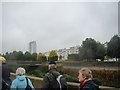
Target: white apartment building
pixel 46 54
pixel 32 47
pixel 65 52
pixel 74 50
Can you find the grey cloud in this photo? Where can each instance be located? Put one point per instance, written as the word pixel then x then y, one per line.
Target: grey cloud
pixel 56 25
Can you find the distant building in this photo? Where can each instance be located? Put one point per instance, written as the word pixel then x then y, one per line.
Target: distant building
pixel 106 44
pixel 65 52
pixel 46 54
pixel 74 50
pixel 32 47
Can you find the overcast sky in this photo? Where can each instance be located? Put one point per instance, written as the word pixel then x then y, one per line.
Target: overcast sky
pixel 56 25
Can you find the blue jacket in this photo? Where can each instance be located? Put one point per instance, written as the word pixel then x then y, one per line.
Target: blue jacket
pixel 89 85
pixel 20 83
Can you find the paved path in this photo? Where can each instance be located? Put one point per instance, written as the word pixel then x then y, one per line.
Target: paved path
pixel 95 68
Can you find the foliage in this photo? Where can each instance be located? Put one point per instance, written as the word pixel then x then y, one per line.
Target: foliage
pixel 53 53
pixel 105 57
pixel 34 56
pixel 70 78
pixel 97 81
pixel 91 50
pixel 113 49
pixel 100 51
pixel 101 77
pixel 18 55
pixel 36 71
pixel 60 57
pixel 73 57
pixel 53 56
pixel 14 55
pixel 108 78
pixel 41 57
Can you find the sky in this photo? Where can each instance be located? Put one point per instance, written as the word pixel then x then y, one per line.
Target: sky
pixel 56 25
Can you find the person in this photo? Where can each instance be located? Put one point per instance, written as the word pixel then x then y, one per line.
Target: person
pixel 20 83
pixel 6 81
pixel 50 79
pixel 85 79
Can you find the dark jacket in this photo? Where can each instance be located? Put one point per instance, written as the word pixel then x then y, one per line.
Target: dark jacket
pixel 6 82
pixel 89 85
pixel 49 80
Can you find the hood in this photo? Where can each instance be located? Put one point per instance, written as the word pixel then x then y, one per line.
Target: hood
pixel 21 78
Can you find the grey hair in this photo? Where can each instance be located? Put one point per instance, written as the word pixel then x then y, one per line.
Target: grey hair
pixel 87 73
pixel 20 71
pixel 51 66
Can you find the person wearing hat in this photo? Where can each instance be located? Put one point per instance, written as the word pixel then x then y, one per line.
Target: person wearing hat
pixel 49 80
pixel 6 81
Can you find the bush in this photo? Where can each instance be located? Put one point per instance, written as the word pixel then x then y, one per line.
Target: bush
pixel 97 81
pixel 43 69
pixel 101 77
pixel 37 73
pixel 53 59
pixel 70 78
pixel 42 59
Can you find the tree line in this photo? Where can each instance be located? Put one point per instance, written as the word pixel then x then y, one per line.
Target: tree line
pixel 89 50
pixel 27 56
pixel 92 50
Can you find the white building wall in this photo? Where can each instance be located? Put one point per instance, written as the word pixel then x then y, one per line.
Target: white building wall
pixel 65 52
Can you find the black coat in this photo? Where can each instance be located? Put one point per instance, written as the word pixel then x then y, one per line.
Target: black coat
pixel 6 81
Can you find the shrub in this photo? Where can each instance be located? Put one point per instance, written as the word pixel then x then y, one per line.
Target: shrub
pixel 101 77
pixel 43 69
pixel 97 81
pixel 70 78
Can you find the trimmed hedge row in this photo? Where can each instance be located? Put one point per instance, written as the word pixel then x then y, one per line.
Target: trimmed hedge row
pixel 103 77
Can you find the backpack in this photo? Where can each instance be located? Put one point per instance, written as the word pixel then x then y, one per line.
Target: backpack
pixel 28 86
pixel 59 82
pixel 62 82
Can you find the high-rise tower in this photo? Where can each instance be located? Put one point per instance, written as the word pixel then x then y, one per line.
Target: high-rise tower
pixel 32 47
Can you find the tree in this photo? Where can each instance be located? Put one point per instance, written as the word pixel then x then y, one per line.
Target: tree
pixel 60 57
pixel 100 51
pixel 41 57
pixel 34 56
pixel 113 47
pixel 88 49
pixel 91 50
pixel 11 56
pixel 27 56
pixel 53 56
pixel 19 55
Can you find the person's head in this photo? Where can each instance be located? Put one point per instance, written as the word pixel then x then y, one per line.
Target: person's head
pixel 52 65
pixel 20 71
pixel 2 59
pixel 84 73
